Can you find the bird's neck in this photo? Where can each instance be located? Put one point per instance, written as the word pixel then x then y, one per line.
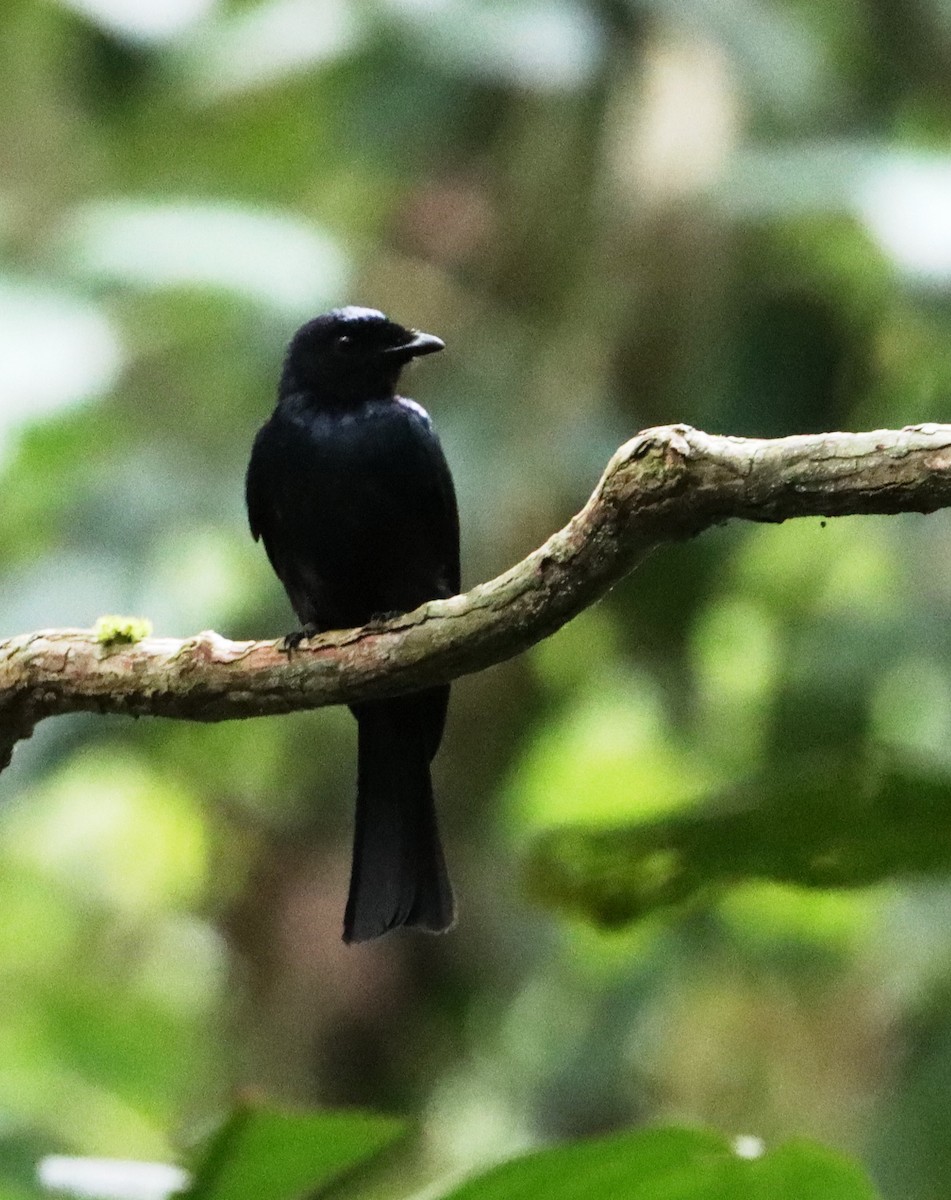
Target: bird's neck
pixel 336 392
pixel 300 401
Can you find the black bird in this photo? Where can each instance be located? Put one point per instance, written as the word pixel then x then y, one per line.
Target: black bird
pixel 350 492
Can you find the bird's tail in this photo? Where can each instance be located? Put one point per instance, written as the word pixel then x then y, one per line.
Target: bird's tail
pixel 399 873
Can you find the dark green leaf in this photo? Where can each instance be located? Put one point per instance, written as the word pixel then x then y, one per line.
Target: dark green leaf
pixel 271 1154
pixel 839 821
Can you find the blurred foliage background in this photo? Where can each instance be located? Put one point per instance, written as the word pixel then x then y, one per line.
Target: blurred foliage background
pixel 617 213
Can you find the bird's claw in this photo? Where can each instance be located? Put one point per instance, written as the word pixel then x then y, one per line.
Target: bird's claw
pixel 291 641
pixel 379 619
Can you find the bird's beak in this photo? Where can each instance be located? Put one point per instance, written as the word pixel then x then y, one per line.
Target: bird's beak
pixel 418 345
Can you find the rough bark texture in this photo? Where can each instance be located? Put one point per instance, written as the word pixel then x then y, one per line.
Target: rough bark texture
pixel 664 485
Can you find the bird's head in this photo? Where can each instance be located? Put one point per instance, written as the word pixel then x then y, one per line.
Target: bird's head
pixel 351 354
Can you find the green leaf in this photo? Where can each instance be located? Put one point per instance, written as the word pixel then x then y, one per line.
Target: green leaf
pixel 803 1171
pixel 671 1164
pixel 841 820
pixel 271 1154
pixel 624 1166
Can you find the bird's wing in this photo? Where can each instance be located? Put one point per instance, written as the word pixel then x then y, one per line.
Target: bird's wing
pixel 253 490
pixel 261 491
pixel 283 509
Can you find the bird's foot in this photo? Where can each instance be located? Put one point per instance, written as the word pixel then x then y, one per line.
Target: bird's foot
pixel 378 619
pixel 291 641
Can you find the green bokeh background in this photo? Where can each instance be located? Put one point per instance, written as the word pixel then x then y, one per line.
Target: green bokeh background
pixel 616 213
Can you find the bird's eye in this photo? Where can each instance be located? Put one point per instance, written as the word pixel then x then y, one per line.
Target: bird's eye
pixel 342 342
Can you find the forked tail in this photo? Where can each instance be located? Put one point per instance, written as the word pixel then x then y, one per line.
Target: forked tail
pixel 399 874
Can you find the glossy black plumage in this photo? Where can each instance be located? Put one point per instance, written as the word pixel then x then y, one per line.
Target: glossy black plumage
pixel 350 493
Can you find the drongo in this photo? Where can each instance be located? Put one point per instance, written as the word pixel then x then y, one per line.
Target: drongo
pixel 349 490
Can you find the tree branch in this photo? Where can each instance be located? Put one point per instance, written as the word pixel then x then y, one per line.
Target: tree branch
pixel 666 484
